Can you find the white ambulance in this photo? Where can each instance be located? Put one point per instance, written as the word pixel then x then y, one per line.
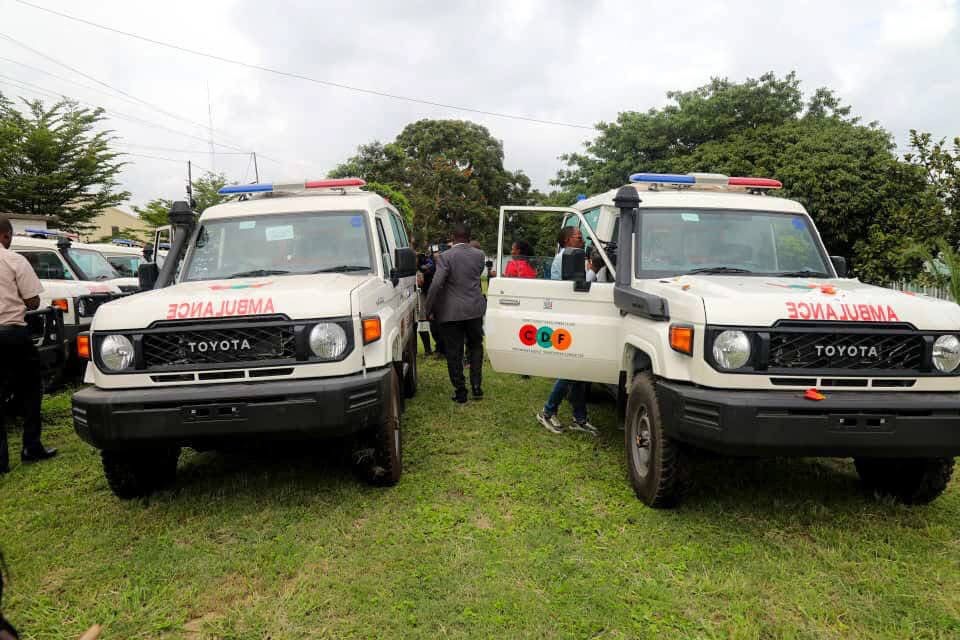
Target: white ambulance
pixel 729 328
pixel 76 293
pixel 289 313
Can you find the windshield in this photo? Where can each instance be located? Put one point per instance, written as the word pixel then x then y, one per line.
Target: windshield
pixel 126 266
pixel 678 241
pixel 92 263
pixel 287 244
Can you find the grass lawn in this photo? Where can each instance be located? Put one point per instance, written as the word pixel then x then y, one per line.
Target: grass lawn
pixel 497 530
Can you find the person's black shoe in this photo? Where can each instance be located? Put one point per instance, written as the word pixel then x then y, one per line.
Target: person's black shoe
pixel 4 467
pixel 460 396
pixel 37 454
pixel 477 393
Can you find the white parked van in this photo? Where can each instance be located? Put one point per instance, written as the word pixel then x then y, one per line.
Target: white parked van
pixel 729 328
pixel 289 313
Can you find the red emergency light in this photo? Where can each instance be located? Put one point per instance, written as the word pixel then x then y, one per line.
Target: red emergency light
pixel 756 183
pixel 334 183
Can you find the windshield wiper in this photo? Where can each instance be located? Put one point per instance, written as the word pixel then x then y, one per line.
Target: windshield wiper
pixel 719 270
pixel 257 273
pixel 343 268
pixel 804 273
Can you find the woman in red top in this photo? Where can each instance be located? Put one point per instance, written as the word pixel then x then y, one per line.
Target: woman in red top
pixel 519 267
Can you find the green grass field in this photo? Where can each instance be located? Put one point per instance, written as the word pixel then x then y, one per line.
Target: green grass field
pixel 497 530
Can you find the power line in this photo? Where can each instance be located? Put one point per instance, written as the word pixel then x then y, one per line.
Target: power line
pixel 298 76
pixel 111 112
pixel 130 97
pixel 174 150
pixel 151 157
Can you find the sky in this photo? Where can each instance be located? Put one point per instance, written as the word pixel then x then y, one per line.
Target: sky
pixel 565 61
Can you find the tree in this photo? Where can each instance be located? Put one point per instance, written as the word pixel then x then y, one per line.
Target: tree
pixel 394 197
pixel 54 163
pixel 205 195
pixel 449 170
pixel 846 173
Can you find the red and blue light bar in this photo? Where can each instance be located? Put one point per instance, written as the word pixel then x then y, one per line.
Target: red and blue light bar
pixel 716 179
pixel 276 187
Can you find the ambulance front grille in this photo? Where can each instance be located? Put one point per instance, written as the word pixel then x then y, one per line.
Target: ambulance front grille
pixel 223 346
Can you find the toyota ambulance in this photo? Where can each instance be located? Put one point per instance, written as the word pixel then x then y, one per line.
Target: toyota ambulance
pixel 728 327
pixel 288 313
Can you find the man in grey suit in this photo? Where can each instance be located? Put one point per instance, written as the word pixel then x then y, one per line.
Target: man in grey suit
pixel 456 301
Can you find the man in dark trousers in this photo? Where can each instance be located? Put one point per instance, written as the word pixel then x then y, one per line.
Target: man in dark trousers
pixel 19 363
pixel 456 301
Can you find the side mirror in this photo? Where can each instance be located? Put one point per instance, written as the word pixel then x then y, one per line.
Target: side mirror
pixel 573 265
pixel 840 265
pixel 148 273
pixel 405 264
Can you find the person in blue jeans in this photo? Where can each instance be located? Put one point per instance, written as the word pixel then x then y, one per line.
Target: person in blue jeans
pixel 574 391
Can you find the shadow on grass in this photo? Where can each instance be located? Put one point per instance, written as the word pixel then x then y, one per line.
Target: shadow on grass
pixel 275 470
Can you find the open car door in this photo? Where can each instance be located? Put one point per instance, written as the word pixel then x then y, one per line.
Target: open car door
pixel 551 328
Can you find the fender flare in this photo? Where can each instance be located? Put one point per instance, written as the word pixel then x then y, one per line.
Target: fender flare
pixel 636 348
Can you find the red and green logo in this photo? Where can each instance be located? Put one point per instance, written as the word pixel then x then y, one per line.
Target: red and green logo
pixel 546 337
pixel 230 287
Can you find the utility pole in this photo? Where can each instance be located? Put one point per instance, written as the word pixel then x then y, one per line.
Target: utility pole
pixel 256 171
pixel 213 166
pixel 190 182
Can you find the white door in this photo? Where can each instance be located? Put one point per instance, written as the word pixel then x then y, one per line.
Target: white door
pixel 549 328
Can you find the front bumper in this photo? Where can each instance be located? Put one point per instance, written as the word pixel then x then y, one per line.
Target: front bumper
pixel 849 423
pixel 211 415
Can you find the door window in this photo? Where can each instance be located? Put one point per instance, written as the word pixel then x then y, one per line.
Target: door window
pixel 47 265
pixel 385 256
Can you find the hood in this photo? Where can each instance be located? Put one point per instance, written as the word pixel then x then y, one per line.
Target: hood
pixel 759 301
pixel 299 297
pixel 75 288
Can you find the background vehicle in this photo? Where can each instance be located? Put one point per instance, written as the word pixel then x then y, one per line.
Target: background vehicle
pixel 77 299
pixel 286 315
pixel 124 256
pixel 725 319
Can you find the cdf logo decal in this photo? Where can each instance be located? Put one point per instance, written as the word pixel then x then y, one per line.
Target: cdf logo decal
pixel 546 337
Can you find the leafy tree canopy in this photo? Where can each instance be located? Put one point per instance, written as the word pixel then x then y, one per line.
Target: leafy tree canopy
pixel 450 171
pixel 863 197
pixel 55 162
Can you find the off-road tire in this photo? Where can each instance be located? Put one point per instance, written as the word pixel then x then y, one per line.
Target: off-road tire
pixel 909 480
pixel 410 382
pixel 666 478
pixel 136 474
pixel 380 460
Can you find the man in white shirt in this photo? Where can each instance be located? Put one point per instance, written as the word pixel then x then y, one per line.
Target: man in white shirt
pixel 20 363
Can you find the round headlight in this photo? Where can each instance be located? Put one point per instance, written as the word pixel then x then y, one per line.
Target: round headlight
pixel 328 341
pixel 116 352
pixel 731 349
pixel 946 353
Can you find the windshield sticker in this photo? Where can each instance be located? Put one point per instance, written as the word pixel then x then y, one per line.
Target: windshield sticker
pixel 690 217
pixel 247 224
pixel 799 224
pixel 356 221
pixel 249 285
pixel 841 312
pixel 284 232
pixel 235 307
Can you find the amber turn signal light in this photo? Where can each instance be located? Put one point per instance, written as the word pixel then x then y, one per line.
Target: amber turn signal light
pixel 681 339
pixel 60 303
pixel 371 330
pixel 83 345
